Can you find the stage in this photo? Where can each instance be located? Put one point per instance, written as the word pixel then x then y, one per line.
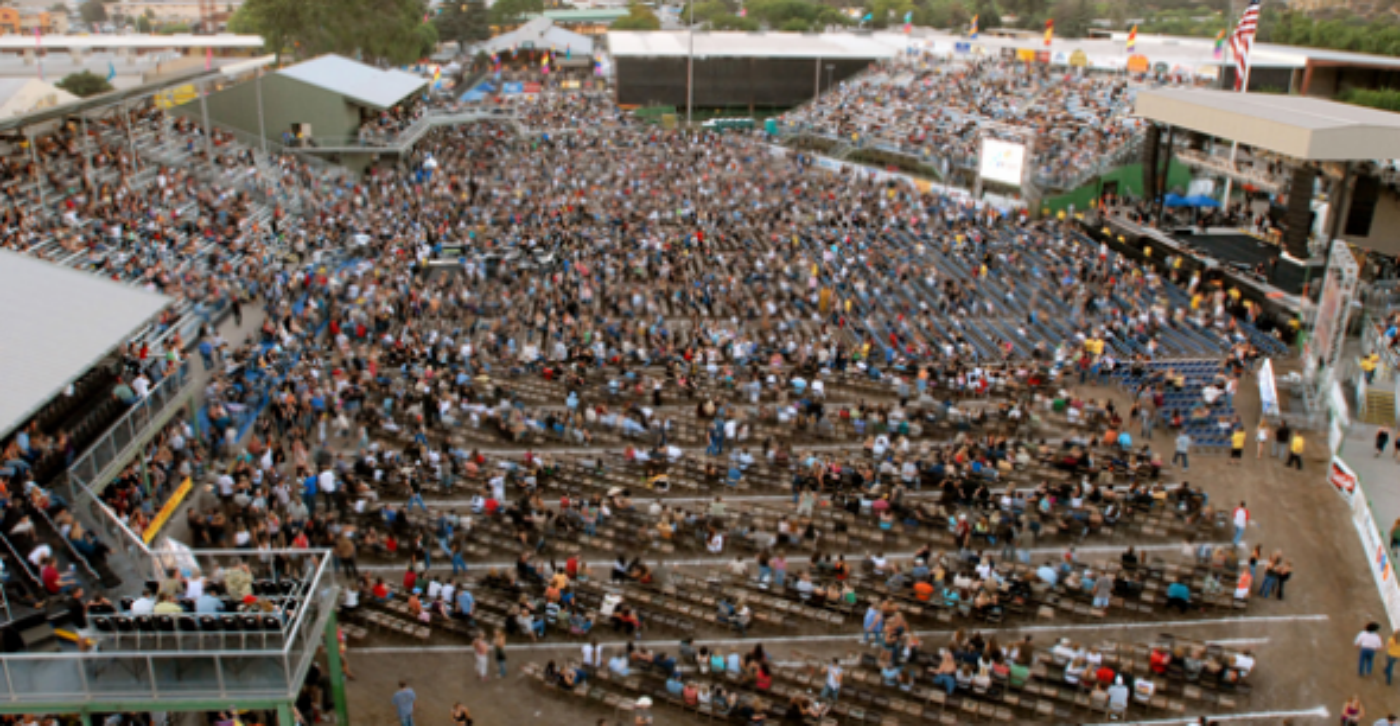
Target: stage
pixel 1244 254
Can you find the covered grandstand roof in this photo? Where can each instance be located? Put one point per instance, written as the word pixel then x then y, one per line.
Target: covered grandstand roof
pixel 61 323
pixel 835 46
pixel 1306 128
pixel 539 34
pixel 363 84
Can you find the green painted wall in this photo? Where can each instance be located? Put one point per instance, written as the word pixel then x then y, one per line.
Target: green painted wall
pixel 1129 180
pixel 285 101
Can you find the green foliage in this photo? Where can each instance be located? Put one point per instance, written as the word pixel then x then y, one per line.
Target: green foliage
pixel 638 17
pixel 372 30
pixel 93 11
pixel 884 13
pixel 84 83
pixel 241 22
pixel 143 24
pixel 1073 18
pixel 513 12
pixel 463 21
pixel 1386 99
pixel 795 25
pixel 168 28
pixel 778 13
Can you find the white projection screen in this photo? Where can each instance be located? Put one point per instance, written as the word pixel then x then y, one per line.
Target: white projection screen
pixel 1002 162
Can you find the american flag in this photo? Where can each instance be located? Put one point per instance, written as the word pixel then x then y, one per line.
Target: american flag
pixel 1242 41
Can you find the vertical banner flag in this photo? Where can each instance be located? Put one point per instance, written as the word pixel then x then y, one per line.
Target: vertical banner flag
pixel 973 31
pixel 1049 31
pixel 1242 42
pixel 1132 39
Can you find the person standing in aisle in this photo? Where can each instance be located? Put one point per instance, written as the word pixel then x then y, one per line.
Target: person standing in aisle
pixel 404 700
pixel 1295 452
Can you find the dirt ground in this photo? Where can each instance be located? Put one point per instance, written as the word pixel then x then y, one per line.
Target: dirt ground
pixel 1307 666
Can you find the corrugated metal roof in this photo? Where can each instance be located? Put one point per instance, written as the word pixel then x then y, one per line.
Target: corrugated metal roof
pixel 364 84
pixel 59 323
pixel 539 34
pixel 835 46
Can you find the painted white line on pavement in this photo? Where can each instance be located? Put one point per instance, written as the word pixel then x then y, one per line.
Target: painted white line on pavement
pixel 852 638
pixel 894 556
pixel 1319 712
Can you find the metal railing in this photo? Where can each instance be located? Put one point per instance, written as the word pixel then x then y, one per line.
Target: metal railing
pixel 405 139
pixel 90 471
pixel 236 667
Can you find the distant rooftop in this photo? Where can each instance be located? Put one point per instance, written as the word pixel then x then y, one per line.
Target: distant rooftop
pixel 834 46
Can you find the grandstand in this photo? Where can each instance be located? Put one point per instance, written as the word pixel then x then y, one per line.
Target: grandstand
pixel 661 391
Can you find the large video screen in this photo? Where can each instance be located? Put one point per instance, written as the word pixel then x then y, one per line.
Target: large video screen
pixel 1002 161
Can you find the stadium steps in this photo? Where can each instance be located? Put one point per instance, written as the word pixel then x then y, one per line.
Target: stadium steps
pixel 1380 407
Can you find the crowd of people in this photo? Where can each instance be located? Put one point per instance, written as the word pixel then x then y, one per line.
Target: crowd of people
pixel 940 111
pixel 614 273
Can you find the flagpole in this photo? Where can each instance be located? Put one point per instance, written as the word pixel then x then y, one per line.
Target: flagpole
pixel 1234 143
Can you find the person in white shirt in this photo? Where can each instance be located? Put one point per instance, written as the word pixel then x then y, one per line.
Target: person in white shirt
pixel 144 605
pixel 326 481
pixel 39 554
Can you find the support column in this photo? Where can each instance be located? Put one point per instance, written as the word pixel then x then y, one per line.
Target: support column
pixel 87 153
pixel 38 167
pixel 131 140
pixel 818 93
pixel 336 672
pixel 285 717
pixel 145 475
pixel 262 130
pixel 204 112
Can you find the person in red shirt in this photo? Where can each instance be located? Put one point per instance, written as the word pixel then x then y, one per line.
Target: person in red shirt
pixel 410 578
pixel 381 590
pixel 51 578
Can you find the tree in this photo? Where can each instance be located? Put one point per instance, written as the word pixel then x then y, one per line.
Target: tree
pixel 464 22
pixel 1072 18
pixel 988 14
pixel 143 24
pixel 638 17
pixel 387 31
pixel 84 84
pixel 513 12
pixel 93 11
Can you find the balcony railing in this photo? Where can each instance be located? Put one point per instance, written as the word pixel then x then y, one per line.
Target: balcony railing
pixel 182 667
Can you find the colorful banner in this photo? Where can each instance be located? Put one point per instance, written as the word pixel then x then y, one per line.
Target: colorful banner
pixel 1342 478
pixel 167 511
pixel 533 88
pixel 1377 551
pixel 513 87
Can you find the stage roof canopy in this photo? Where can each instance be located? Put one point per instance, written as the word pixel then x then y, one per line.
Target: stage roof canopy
pixel 1305 128
pixel 827 46
pixel 61 323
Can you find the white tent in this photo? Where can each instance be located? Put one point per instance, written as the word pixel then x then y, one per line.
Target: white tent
pixel 20 96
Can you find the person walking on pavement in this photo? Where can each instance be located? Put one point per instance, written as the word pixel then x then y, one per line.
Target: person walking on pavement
pixel 1282 436
pixel 1183 451
pixel 1382 438
pixel 1241 520
pixel 403 700
pixel 1392 654
pixel 1368 641
pixel 1261 435
pixel 1295 452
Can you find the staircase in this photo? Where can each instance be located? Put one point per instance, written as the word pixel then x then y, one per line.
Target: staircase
pixel 1379 406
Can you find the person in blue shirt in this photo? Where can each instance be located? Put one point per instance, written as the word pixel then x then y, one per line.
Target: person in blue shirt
pixel 308 494
pixel 466 606
pixel 1179 596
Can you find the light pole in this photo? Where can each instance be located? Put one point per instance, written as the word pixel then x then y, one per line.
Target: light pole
pixel 690 69
pixel 829 68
